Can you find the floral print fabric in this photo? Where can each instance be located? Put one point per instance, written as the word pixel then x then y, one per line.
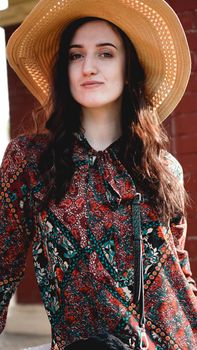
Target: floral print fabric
pixel 83 250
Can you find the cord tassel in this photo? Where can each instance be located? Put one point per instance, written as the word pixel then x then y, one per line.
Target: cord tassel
pixel 138 271
pixel 144 343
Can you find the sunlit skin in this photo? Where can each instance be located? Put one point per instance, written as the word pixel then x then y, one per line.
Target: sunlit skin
pixel 97 77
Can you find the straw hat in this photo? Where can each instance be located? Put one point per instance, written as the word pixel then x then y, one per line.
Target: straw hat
pixel 152 26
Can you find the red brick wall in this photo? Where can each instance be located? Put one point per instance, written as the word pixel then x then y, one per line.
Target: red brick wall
pixel 182 126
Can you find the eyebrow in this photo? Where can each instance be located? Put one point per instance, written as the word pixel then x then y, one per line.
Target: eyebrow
pixel 97 45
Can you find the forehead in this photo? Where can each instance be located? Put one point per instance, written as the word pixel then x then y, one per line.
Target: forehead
pixel 96 31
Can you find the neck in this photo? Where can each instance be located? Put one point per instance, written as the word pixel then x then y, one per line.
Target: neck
pixel 101 127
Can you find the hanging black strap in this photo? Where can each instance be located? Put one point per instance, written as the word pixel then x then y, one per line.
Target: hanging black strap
pixel 138 270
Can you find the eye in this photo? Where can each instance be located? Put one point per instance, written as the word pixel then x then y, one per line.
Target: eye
pixel 106 54
pixel 75 56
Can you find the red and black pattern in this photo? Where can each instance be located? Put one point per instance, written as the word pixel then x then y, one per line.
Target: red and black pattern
pixel 83 250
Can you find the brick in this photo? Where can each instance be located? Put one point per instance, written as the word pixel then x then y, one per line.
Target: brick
pixel 192 215
pixel 194 60
pixel 190 181
pixel 188 104
pixel 191 246
pixel 188 160
pixel 186 144
pixel 193 259
pixel 184 124
pixel 192 86
pixel 195 18
pixel 193 265
pixel 192 207
pixel 192 39
pixel 167 124
pixel 182 5
pixel 187 19
pixel 191 230
pixel 191 188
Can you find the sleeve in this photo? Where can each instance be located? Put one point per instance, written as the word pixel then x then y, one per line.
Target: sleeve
pixel 179 231
pixel 16 223
pixel 178 227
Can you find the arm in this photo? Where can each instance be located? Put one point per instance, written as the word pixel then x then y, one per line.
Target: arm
pixel 178 227
pixel 16 223
pixel 179 231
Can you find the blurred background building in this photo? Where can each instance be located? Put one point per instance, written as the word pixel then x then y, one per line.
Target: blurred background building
pixel 27 313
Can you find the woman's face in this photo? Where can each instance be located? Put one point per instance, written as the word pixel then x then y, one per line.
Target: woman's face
pixel 96 67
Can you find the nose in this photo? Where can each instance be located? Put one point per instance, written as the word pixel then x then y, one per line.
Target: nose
pixel 89 66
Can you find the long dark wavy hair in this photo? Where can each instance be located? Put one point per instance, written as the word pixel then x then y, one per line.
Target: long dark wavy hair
pixel 144 141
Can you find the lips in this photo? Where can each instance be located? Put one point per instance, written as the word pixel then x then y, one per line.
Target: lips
pixel 91 83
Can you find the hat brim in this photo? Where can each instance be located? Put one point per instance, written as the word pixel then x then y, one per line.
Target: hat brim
pixel 152 26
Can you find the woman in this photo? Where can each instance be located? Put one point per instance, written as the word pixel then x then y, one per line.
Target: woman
pixel 98 194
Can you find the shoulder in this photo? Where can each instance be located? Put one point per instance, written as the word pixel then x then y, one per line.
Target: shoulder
pixel 33 145
pixel 27 144
pixel 174 166
pixel 23 150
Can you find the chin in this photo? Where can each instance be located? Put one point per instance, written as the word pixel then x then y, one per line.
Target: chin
pixel 93 104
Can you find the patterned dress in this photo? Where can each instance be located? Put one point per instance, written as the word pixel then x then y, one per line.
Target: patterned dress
pixel 83 250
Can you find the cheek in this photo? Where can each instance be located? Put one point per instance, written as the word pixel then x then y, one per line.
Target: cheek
pixel 119 81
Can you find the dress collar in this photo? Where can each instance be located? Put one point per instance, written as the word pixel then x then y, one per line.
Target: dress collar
pixel 82 150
